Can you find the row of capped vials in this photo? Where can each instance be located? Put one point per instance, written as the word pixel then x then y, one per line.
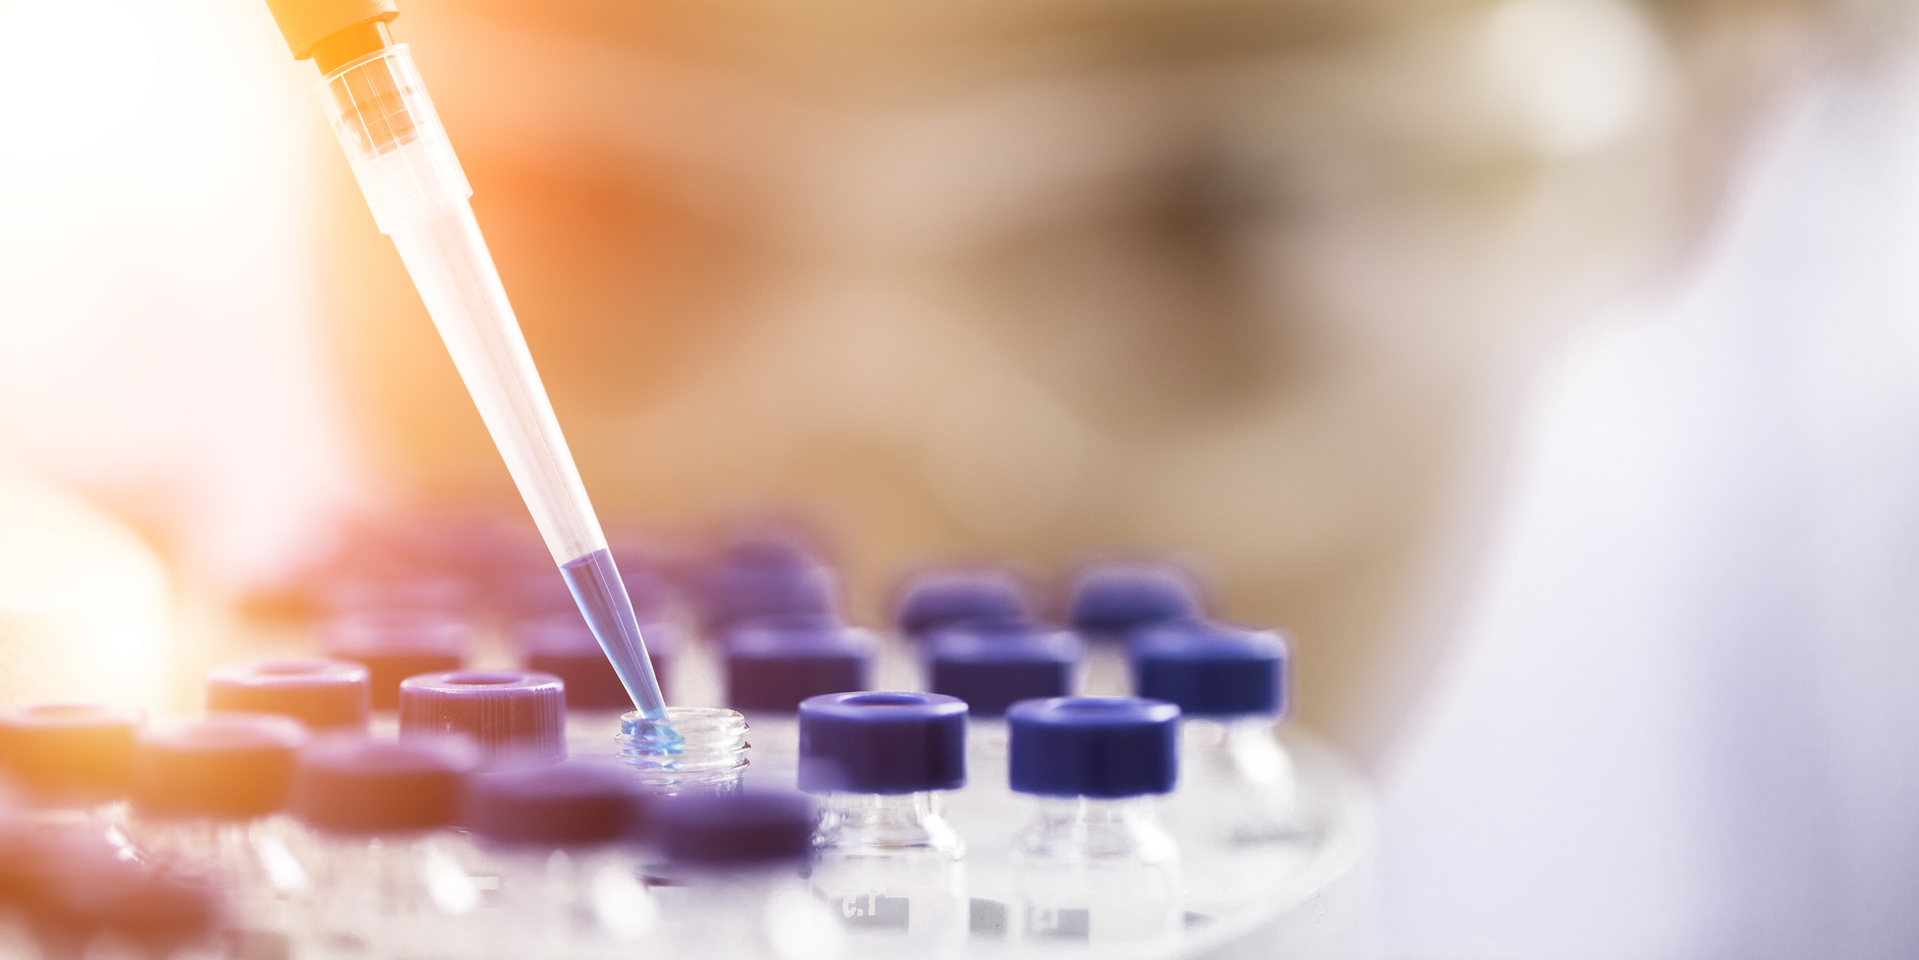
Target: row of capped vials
pixel 469 836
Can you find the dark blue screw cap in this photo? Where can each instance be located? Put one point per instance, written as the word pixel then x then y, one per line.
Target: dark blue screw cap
pixel 740 829
pixel 563 645
pixel 1211 669
pixel 771 665
pixel 511 714
pixel 1113 599
pixel 887 743
pixel 992 666
pixel 567 804
pixel 763 576
pixel 394 645
pixel 1105 747
pixel 941 598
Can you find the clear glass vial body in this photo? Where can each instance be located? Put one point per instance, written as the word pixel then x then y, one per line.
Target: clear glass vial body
pixel 695 750
pixel 1097 871
pixel 766 911
pixel 987 811
pixel 891 864
pixel 1238 788
pixel 573 903
pixel 256 864
pixel 396 895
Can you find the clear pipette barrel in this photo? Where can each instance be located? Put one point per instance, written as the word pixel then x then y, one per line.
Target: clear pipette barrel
pixel 413 183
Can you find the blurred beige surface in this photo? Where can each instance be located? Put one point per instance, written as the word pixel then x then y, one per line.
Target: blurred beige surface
pixel 1257 284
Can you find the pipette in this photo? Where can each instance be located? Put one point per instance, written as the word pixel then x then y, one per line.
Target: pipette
pixel 413 182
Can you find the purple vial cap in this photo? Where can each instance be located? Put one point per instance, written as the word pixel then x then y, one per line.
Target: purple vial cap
pixel 933 599
pixel 231 766
pixel 564 646
pixel 69 752
pixel 1112 599
pixel 992 666
pixel 1211 669
pixel 765 575
pixel 568 804
pixel 773 664
pixel 882 742
pixel 1105 747
pixel 394 645
pixel 511 714
pixel 326 695
pixel 354 785
pixel 740 830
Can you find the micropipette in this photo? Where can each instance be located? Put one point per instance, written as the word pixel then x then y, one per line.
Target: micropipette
pixel 413 182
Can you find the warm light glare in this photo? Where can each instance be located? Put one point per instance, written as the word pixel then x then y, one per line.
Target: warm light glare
pixel 1579 70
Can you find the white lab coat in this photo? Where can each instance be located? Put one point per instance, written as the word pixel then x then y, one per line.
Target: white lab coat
pixel 1683 720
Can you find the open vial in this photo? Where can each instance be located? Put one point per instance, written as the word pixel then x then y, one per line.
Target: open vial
pixel 695 750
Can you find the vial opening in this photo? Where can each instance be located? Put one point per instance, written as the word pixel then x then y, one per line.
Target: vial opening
pixel 292 668
pixel 886 700
pixel 481 679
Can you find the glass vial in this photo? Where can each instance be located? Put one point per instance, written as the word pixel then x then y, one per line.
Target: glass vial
pixel 696 750
pixel 72 765
pixel 885 857
pixel 733 884
pixel 558 847
pixel 208 801
pixel 1095 866
pixel 390 878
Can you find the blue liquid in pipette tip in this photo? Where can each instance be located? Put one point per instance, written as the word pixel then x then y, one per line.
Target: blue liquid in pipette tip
pixel 597 588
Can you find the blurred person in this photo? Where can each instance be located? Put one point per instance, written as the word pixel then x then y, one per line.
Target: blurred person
pixel 1252 282
pixel 1680 721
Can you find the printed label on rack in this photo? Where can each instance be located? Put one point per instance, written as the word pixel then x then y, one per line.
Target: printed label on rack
pixel 1098 920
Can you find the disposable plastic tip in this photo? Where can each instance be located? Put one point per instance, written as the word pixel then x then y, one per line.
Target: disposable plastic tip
pixel 1115 598
pixel 773 665
pixel 941 598
pixel 69 753
pixel 353 785
pixel 742 830
pixel 1106 747
pixel 1211 669
pixel 394 645
pixel 325 695
pixel 544 592
pixel 568 804
pixel 228 766
pixel 82 887
pixel 364 593
pixel 564 646
pixel 993 666
pixel 887 743
pixel 517 715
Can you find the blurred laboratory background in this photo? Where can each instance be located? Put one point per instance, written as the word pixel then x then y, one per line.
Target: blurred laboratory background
pixel 1549 369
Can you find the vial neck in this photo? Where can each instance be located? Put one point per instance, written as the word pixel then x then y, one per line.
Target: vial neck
pixel 876 822
pixel 1243 749
pixel 693 748
pixel 1081 829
